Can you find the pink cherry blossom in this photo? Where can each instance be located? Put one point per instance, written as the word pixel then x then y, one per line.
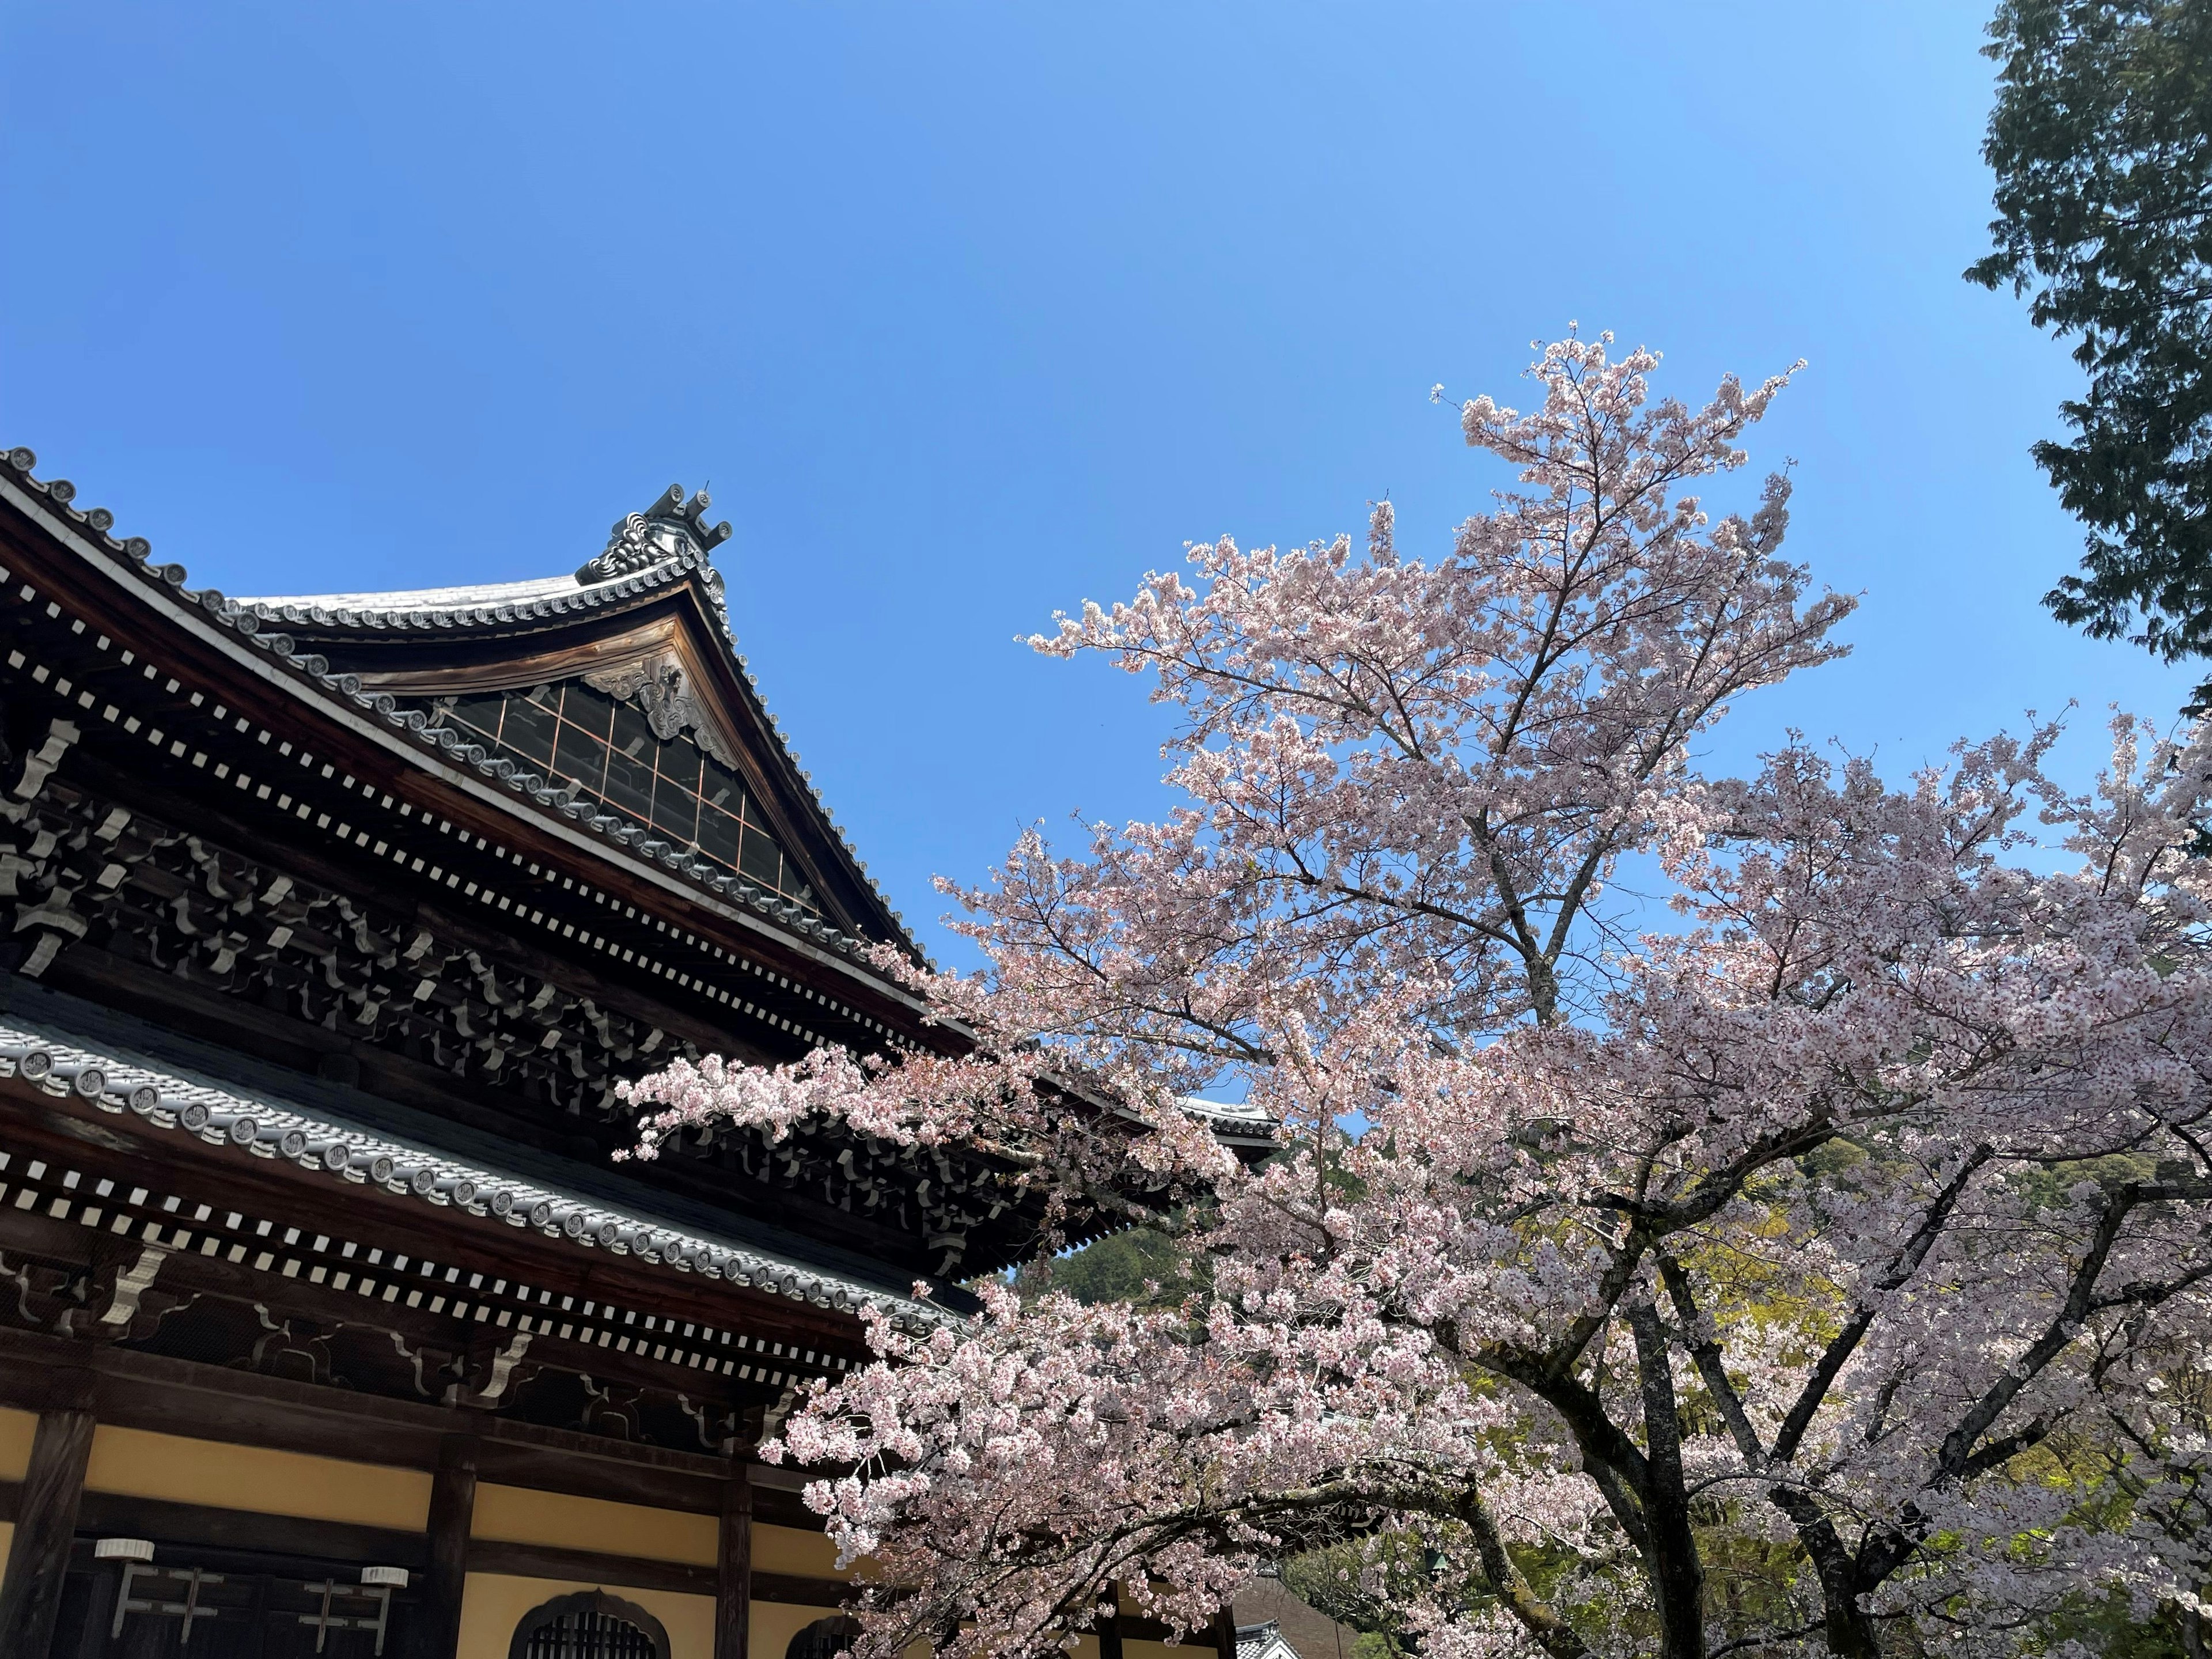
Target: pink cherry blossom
pixel 1821 1266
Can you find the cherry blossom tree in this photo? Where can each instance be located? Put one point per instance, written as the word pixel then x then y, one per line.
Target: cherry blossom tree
pixel 1807 1250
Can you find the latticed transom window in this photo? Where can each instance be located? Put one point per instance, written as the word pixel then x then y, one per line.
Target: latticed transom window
pixel 825 1638
pixel 591 1625
pixel 603 748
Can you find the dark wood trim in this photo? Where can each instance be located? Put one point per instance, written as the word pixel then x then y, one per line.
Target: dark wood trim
pixel 230 1176
pixel 213 1402
pixel 1224 1632
pixel 200 1526
pixel 46 1526
pixel 100 1609
pixel 733 1578
pixel 203 1526
pixel 164 628
pixel 1109 1634
pixel 588 1567
pixel 794 1590
pixel 1132 1627
pixel 515 1462
pixel 437 1633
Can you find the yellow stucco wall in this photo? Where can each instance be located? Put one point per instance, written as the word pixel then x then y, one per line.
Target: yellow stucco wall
pixel 516 1515
pixel 790 1549
pixel 493 1603
pixel 141 1464
pixel 16 1429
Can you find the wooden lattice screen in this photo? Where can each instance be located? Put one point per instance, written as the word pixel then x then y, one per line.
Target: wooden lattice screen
pixel 589 1633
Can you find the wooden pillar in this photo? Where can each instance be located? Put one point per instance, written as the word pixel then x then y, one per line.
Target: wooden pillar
pixel 46 1526
pixel 733 1578
pixel 1224 1631
pixel 1109 1627
pixel 452 1505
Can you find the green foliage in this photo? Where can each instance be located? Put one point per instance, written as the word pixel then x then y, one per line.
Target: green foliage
pixel 2101 140
pixel 1115 1269
pixel 1356 1583
pixel 2108 1627
pixel 2049 1186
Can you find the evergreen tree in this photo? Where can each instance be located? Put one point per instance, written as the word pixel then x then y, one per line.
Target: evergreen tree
pixel 2102 141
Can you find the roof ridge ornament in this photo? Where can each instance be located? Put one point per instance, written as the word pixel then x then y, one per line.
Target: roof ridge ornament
pixel 669 529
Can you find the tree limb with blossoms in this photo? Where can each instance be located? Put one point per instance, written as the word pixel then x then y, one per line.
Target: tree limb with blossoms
pixel 1812 1253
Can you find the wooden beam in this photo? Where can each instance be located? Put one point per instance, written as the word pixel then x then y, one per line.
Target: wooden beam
pixel 203 1527
pixel 313 1545
pixel 1109 1627
pixel 452 1505
pixel 589 1567
pixel 733 1589
pixel 46 1526
pixel 1224 1631
pixel 794 1590
pixel 214 1402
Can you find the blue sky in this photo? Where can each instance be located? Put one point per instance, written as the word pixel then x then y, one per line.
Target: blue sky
pixel 970 312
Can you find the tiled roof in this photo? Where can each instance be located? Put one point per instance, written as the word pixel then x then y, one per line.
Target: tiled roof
pixel 1227 1115
pixel 1266 1605
pixel 266 1126
pixel 252 619
pixel 484 605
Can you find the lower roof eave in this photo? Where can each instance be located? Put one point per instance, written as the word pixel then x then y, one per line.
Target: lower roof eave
pixel 343 1152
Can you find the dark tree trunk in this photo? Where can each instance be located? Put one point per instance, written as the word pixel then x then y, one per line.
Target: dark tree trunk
pixel 1677 1569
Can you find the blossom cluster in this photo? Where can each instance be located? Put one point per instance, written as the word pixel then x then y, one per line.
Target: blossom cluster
pixel 1824 1265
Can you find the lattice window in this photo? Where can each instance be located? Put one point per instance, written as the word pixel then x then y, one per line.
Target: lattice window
pixel 825 1638
pixel 589 1625
pixel 576 735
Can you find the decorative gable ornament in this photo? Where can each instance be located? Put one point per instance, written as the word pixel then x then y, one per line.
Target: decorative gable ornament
pixel 669 529
pixel 663 690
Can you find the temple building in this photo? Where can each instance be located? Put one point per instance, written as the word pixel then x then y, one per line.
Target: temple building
pixel 328 1323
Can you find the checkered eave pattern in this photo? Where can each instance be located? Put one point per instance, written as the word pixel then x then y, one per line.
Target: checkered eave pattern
pixel 262 1128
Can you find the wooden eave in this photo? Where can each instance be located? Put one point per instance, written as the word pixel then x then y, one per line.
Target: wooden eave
pixel 163 623
pixel 142 655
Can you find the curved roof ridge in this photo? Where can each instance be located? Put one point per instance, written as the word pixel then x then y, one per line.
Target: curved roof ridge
pixel 245 617
pixel 468 595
